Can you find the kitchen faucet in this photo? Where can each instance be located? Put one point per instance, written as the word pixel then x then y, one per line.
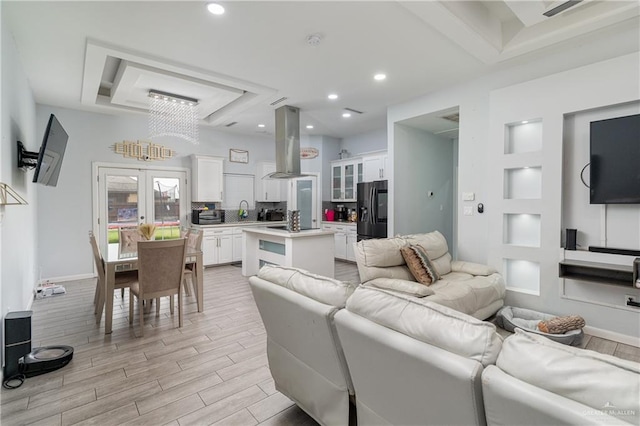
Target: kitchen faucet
pixel 243 213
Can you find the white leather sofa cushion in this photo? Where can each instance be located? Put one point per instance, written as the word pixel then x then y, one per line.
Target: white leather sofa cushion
pixel 606 383
pixel 436 246
pixel 428 322
pixel 472 268
pixel 383 252
pixel 410 287
pixel 317 287
pixel 468 294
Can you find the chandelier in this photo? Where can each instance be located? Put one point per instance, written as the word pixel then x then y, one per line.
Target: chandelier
pixel 173 115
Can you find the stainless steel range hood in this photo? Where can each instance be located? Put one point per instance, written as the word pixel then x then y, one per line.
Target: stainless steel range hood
pixel 287 143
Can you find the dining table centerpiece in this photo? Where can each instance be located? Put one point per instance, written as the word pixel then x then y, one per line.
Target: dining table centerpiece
pixel 147 230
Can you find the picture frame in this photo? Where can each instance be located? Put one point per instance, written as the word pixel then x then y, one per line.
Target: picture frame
pixel 238 155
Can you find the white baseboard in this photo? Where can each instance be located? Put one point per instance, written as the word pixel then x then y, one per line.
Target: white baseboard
pixel 78 277
pixel 612 335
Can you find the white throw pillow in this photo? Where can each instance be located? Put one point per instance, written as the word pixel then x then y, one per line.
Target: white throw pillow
pixel 428 322
pixel 603 382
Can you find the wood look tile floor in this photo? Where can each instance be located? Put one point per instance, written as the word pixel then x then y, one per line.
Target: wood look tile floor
pixel 213 370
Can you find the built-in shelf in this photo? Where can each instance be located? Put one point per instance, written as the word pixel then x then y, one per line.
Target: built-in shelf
pixel 604 273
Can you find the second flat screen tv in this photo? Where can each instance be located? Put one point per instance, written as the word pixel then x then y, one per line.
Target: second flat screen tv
pixel 615 161
pixel 52 150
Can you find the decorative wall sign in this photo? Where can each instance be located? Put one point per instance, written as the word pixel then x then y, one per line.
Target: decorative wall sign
pixel 144 151
pixel 238 156
pixel 308 153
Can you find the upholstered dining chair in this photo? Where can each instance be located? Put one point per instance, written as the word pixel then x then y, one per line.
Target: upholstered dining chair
pixel 128 239
pixel 194 243
pixel 123 279
pixel 160 273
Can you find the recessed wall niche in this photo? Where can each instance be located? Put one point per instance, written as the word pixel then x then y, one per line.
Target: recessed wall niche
pixel 523 183
pixel 522 229
pixel 522 276
pixel 525 136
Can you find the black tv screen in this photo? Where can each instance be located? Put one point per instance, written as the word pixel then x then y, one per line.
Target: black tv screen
pixel 51 154
pixel 615 161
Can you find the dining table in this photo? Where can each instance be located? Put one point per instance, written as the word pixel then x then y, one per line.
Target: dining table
pixel 122 261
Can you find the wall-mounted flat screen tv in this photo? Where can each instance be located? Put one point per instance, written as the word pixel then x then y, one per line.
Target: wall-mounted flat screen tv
pixel 615 161
pixel 51 154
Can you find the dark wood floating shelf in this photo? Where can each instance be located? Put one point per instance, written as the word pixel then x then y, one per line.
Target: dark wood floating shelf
pixel 604 273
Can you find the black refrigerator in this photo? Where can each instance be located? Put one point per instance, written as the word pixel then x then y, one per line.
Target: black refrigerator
pixel 372 210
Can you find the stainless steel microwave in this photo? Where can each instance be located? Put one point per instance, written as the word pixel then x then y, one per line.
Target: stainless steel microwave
pixel 207 217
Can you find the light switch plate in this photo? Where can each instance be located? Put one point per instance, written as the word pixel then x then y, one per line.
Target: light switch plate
pixel 468 211
pixel 468 196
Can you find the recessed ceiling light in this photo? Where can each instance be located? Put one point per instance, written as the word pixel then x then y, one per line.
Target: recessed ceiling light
pixel 333 96
pixel 261 125
pixel 215 8
pixel 309 126
pixel 346 114
pixel 525 122
pixel 379 77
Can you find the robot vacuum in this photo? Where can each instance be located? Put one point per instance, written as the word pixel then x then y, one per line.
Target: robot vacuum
pixel 45 359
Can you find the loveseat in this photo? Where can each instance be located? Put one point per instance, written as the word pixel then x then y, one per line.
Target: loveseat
pixel 474 289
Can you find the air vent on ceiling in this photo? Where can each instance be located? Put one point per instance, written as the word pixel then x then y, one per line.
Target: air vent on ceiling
pixel 558 7
pixel 355 111
pixel 452 117
pixel 276 102
pixel 233 123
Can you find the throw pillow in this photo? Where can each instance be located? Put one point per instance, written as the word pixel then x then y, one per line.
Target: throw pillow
pixel 419 264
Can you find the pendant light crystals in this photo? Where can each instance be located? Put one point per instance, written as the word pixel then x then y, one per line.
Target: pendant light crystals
pixel 173 115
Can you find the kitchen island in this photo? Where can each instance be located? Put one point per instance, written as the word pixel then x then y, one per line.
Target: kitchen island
pixel 311 249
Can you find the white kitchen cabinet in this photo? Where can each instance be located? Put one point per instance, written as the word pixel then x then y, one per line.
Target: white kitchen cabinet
pixel 374 167
pixel 345 176
pixel 237 244
pixel 217 246
pixel 268 190
pixel 207 178
pixel 345 236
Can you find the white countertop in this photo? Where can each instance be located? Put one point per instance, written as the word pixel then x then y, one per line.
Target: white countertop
pixel 306 233
pixel 337 222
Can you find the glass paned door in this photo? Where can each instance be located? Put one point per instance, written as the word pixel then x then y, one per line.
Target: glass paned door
pixel 304 198
pixel 130 197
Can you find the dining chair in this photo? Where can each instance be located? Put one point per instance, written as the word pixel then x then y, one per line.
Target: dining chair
pixel 123 279
pixel 128 239
pixel 194 243
pixel 160 273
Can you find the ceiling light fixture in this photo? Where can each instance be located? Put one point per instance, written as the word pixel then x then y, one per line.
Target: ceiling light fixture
pixel 524 122
pixel 333 96
pixel 173 115
pixel 261 125
pixel 309 126
pixel 346 114
pixel 215 8
pixel 379 77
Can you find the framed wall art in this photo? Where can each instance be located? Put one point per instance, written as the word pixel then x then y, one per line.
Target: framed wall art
pixel 238 156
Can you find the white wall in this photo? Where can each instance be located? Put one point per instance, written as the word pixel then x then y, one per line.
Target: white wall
pixel 18 255
pixel 64 213
pixel 433 157
pixel 375 140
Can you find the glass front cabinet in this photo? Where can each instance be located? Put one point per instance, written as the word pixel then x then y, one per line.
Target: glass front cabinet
pixel 345 176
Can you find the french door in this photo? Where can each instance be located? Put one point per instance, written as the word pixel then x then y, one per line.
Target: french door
pixel 303 196
pixel 132 196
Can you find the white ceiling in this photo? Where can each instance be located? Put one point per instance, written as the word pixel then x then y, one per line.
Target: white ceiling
pixel 105 56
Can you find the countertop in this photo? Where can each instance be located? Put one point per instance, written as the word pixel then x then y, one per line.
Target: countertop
pixel 241 224
pixel 338 222
pixel 306 233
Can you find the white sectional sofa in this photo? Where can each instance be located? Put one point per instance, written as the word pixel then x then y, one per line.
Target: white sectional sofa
pixel 474 289
pixel 305 356
pixel 539 381
pixel 408 361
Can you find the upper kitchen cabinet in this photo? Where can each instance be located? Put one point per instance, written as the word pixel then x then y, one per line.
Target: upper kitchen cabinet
pixel 207 178
pixel 375 167
pixel 345 176
pixel 268 190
